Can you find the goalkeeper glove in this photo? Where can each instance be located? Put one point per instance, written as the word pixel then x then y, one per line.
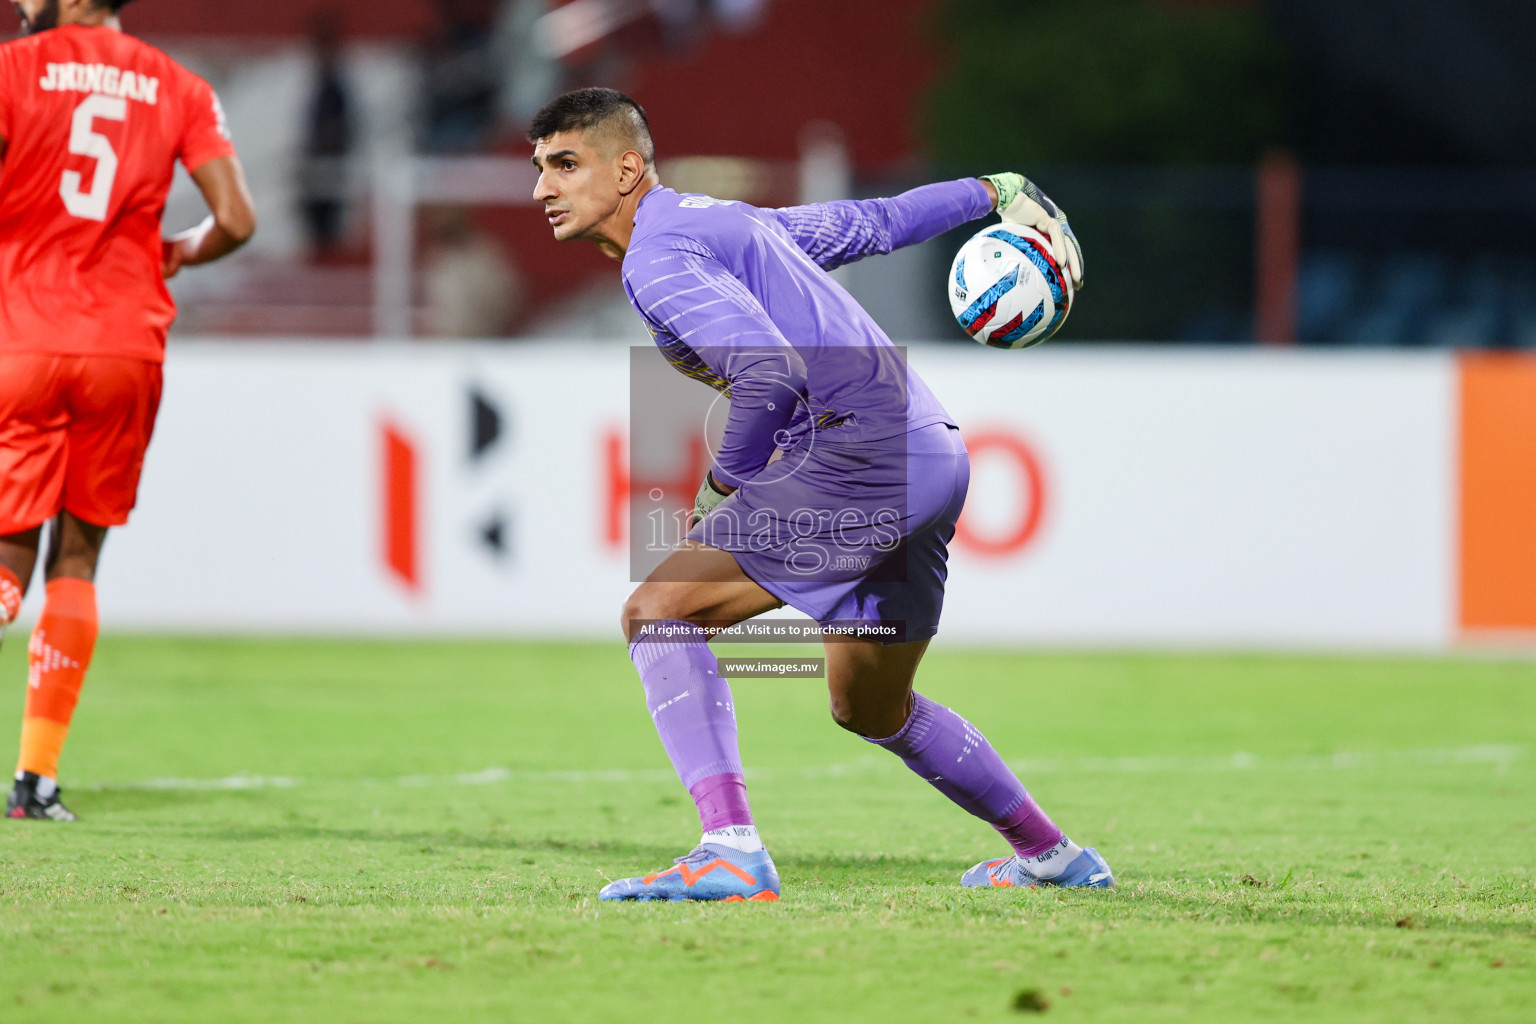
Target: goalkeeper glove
pixel 1020 201
pixel 705 501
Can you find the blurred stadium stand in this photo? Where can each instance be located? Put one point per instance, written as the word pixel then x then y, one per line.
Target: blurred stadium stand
pixel 698 67
pixel 1407 220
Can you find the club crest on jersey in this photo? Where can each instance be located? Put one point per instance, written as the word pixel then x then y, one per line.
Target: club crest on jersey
pixel 101 78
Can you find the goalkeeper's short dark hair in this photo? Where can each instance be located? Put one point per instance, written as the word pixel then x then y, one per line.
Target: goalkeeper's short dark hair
pixel 114 5
pixel 603 109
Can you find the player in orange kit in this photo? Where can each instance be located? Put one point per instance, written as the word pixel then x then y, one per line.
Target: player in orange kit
pixel 92 122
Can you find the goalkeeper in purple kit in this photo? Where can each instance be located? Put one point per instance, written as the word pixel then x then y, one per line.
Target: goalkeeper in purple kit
pixel 835 488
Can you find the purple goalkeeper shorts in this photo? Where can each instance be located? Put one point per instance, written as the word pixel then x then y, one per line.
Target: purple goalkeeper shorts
pixel 853 534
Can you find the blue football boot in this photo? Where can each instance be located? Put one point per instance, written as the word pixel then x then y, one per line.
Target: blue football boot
pixel 1087 870
pixel 710 872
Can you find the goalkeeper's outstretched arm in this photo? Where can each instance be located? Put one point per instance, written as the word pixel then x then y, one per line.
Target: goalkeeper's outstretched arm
pixel 838 233
pixel 842 232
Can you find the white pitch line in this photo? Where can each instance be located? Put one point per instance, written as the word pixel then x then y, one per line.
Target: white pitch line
pixel 228 782
pixel 1498 755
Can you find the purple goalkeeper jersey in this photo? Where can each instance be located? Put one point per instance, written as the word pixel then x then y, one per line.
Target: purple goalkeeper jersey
pixel 739 297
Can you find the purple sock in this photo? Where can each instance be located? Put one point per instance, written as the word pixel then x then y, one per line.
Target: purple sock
pixel 691 706
pixel 722 801
pixel 957 760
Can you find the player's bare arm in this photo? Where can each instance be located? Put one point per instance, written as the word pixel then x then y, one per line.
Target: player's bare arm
pixel 230 224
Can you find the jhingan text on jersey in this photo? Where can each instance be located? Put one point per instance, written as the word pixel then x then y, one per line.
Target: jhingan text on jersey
pixel 101 78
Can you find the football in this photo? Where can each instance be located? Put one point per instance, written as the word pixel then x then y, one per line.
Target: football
pixel 1006 289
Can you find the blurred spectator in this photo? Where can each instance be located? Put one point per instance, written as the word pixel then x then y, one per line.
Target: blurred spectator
pixel 328 138
pixel 739 16
pixel 472 289
pixel 603 40
pixel 461 77
pixel 530 77
pixel 680 22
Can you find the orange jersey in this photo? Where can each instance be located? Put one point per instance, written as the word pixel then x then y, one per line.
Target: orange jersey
pixel 94 121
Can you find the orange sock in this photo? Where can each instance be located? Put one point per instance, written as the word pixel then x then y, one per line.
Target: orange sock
pixel 57 658
pixel 10 596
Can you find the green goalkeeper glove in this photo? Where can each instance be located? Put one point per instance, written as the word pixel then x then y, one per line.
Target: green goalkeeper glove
pixel 1020 201
pixel 705 501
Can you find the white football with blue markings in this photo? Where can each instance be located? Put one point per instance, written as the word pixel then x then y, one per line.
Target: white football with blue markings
pixel 1006 288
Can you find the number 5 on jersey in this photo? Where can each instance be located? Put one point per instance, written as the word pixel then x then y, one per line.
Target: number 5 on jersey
pixel 84 140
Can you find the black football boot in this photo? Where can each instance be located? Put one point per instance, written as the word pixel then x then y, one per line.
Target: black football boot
pixel 25 803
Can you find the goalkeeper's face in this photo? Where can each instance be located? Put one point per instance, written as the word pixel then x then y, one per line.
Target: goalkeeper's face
pixel 580 186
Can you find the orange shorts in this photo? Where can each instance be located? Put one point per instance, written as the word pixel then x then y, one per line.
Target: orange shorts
pixel 73 431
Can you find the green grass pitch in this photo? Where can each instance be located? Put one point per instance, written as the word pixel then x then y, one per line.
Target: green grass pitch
pixel 372 832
